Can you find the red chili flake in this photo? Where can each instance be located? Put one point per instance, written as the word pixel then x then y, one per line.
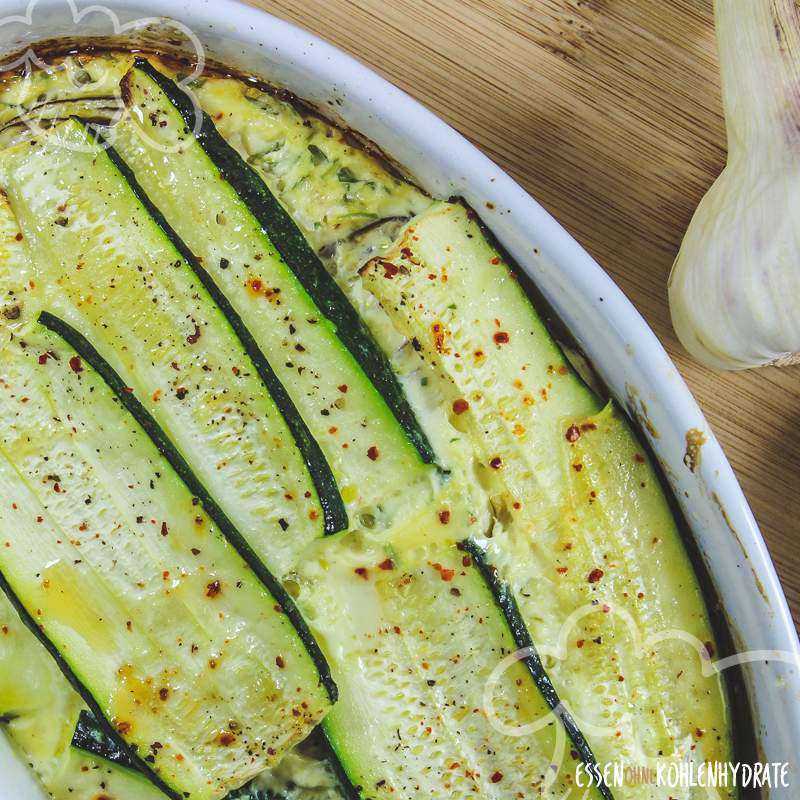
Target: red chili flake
pixel 123 727
pixel 455 765
pixel 164 529
pixel 343 388
pixel 43 358
pixel 195 551
pixel 621 678
pixel 445 573
pixel 708 651
pixel 193 337
pixel 75 364
pixel 226 739
pixel 18 237
pixel 362 573
pixel 460 406
pixel 389 269
pixel 640 595
pixel 588 426
pixel 466 561
pixel 372 453
pixel 595 575
pixel 573 433
pixel 496 462
pixel 386 564
pixel 256 285
pixel 577 467
pixel 579 643
pixel 213 589
pixel 561 570
pixel 280 662
pixel 57 488
pixel 181 392
pixel 163 693
pixel 496 260
pixel 444 516
pixel 639 458
pixel 501 337
pixel 497 777
pixel 438 337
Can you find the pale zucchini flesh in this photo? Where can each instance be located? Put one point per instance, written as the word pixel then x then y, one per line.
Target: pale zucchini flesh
pixel 419 637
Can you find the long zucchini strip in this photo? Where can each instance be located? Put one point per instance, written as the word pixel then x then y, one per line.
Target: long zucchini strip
pixel 128 400
pixel 301 259
pixel 418 635
pixel 376 466
pixel 111 272
pixel 146 606
pixel 588 542
pixel 506 601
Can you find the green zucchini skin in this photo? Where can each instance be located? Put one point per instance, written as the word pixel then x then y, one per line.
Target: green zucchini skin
pixel 301 259
pixel 504 597
pixel 104 726
pixel 335 516
pixel 91 737
pixel 134 407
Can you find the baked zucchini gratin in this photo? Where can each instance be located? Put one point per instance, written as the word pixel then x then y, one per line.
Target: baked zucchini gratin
pixel 299 498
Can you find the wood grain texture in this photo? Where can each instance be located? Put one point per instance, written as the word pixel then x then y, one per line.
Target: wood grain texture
pixel 608 112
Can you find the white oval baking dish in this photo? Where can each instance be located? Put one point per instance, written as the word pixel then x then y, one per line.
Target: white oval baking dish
pixel 615 338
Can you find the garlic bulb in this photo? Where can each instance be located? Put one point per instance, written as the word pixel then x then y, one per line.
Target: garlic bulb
pixel 734 290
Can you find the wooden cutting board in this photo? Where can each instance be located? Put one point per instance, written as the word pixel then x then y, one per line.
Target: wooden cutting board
pixel 607 112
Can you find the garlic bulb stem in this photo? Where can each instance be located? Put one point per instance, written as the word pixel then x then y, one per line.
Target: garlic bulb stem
pixel 734 290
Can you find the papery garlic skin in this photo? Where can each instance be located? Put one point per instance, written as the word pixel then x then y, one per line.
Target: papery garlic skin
pixel 734 291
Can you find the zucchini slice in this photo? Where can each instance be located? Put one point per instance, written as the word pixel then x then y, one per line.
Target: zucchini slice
pixel 296 253
pixel 203 201
pixel 418 636
pixel 586 539
pixel 149 611
pixel 112 272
